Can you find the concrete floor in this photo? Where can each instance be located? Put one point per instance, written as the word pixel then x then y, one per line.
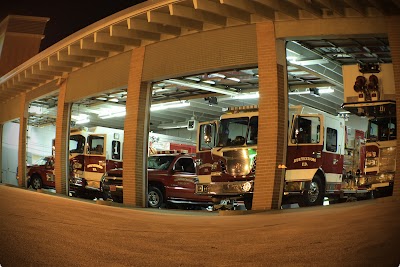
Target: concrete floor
pixel 41 229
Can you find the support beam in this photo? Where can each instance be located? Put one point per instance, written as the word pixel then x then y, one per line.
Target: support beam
pixel 336 6
pixel 358 6
pixel 63 56
pixel 196 14
pixel 102 37
pixel 54 61
pixel 121 31
pixel 283 7
pixel 223 10
pixel 44 65
pixel 144 25
pixel 251 7
pixel 75 50
pixel 90 44
pixel 166 19
pixel 307 6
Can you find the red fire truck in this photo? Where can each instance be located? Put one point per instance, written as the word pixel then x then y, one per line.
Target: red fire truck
pixel 227 151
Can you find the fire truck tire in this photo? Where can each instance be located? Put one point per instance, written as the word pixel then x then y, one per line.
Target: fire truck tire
pixel 155 197
pixel 36 182
pixel 248 201
pixel 315 195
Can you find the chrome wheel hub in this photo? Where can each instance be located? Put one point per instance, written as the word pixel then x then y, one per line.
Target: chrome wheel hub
pixel 313 192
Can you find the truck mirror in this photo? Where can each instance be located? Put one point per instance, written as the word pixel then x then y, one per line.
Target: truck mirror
pixel 207 133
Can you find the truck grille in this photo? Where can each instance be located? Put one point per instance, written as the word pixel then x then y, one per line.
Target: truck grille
pixel 109 180
pixel 387 159
pixel 237 162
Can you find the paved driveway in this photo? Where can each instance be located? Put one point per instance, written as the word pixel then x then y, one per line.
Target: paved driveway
pixel 38 229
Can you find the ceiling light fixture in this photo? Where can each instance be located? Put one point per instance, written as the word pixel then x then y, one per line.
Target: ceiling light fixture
pixel 233 79
pixel 247 96
pixel 168 105
pixel 173 125
pixel 201 87
pixel 113 115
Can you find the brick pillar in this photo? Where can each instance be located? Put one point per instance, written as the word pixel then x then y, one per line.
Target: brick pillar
pixel 136 133
pixel 1 153
pixel 272 128
pixel 61 162
pixel 23 124
pixel 393 24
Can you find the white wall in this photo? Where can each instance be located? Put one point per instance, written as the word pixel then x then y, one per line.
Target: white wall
pixel 39 142
pixel 10 153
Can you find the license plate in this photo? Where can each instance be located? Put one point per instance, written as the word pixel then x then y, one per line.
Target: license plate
pixel 113 188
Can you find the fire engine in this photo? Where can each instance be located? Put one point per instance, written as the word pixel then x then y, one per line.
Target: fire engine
pixel 315 157
pixel 93 151
pixel 380 150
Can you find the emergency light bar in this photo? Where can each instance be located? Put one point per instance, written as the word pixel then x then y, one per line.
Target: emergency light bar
pixel 241 109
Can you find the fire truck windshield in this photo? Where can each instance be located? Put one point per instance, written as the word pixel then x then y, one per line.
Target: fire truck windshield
pixel 381 129
pixel 76 143
pixel 237 131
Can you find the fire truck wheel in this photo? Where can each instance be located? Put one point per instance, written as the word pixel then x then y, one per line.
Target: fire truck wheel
pixel 155 197
pixel 36 182
pixel 248 201
pixel 315 195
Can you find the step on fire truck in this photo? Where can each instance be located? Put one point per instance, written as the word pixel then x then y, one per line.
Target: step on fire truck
pixel 227 151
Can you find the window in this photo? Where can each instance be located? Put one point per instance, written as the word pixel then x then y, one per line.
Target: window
pixel 116 149
pixel 159 162
pixel 232 132
pixel 185 165
pixel 306 130
pixel 76 143
pixel 331 139
pixel 253 131
pixel 96 144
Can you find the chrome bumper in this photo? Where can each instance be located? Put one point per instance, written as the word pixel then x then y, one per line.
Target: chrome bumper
pixel 225 188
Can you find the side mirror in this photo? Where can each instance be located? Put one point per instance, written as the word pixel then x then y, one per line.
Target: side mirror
pixel 207 133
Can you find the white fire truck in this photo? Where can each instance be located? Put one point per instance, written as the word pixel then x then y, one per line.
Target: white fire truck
pixel 315 157
pixel 93 151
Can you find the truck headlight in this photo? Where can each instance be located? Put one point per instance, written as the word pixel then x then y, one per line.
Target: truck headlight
pixel 246 187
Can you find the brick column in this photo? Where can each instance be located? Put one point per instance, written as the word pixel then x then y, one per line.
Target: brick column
pixel 136 133
pixel 61 162
pixel 1 153
pixel 23 124
pixel 393 24
pixel 272 128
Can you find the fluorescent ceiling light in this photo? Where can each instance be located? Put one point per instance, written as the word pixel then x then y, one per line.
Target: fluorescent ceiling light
pixel 200 86
pixel 209 82
pixel 174 104
pixel 217 75
pixel 233 79
pixel 102 98
pixel 113 115
pixel 173 125
pixel 326 90
pixel 308 62
pixel 82 121
pixel 247 96
pixel 115 100
pixel 81 118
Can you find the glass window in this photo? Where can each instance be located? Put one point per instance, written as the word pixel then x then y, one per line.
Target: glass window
pixel 381 129
pixel 96 144
pixel 185 165
pixel 159 162
pixel 253 131
pixel 76 143
pixel 232 132
pixel 306 130
pixel 116 149
pixel 331 139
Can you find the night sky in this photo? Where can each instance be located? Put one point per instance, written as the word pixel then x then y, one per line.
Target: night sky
pixel 66 17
